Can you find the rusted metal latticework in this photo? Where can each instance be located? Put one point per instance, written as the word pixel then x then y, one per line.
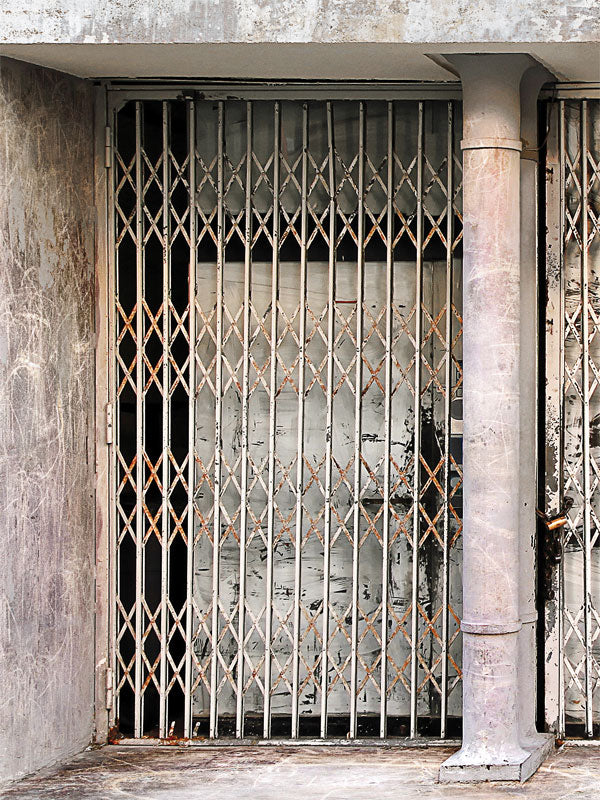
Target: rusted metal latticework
pixel 287 353
pixel 573 433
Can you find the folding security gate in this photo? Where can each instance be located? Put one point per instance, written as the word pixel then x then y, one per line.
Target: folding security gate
pixel 286 485
pixel 571 580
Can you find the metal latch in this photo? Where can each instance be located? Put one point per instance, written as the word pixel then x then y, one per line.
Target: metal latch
pixel 552 548
pixel 553 523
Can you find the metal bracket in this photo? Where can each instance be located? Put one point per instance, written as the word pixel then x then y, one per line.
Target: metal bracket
pixel 107 147
pixel 109 423
pixel 109 686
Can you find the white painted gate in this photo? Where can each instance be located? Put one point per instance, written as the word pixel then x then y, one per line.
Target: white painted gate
pixel 571 565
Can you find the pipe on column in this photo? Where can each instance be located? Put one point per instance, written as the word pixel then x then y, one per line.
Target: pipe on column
pixel 531 83
pixel 492 748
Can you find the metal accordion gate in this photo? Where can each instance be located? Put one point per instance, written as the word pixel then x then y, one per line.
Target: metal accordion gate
pixel 571 554
pixel 286 391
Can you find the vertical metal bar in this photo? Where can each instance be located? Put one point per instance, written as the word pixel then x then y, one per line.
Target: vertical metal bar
pixel 447 417
pixel 139 420
pixel 552 462
pixel 561 592
pixel 105 302
pixel 585 337
pixel 417 453
pixel 189 621
pixel 300 441
pixel 272 423
pixel 217 456
pixel 114 550
pixel 329 420
pixel 164 525
pixel 357 420
pixel 387 417
pixel 239 715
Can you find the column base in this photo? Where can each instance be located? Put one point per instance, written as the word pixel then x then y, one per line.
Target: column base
pixel 463 767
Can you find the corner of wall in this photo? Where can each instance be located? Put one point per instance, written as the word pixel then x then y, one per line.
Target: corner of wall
pixel 46 417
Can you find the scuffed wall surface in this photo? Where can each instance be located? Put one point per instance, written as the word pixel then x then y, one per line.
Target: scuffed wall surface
pixel 46 414
pixel 104 21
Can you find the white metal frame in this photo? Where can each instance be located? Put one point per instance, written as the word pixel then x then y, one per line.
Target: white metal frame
pixel 572 624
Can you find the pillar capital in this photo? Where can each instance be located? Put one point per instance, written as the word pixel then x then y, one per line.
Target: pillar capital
pixel 532 81
pixel 490 83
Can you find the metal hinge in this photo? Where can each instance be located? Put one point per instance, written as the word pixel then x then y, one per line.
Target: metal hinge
pixel 109 423
pixel 107 147
pixel 109 688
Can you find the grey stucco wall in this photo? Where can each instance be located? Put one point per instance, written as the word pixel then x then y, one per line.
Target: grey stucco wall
pixel 46 414
pixel 401 21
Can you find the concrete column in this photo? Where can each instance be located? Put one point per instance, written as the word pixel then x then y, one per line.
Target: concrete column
pixel 531 83
pixel 492 744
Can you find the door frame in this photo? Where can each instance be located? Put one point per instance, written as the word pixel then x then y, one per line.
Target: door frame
pixel 109 96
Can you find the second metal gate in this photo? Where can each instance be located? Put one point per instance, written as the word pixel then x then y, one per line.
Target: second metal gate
pixel 571 580
pixel 286 386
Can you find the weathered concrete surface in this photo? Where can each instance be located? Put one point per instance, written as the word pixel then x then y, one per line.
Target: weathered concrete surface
pixel 312 39
pixel 316 60
pixel 99 21
pixel 493 748
pixel 46 414
pixel 296 773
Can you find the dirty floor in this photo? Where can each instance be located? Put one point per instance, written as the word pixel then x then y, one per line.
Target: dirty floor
pixel 294 773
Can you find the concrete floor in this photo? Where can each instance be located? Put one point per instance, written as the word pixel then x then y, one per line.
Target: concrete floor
pixel 294 773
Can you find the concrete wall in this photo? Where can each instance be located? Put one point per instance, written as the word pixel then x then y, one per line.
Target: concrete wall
pixel 46 416
pixel 156 21
pixel 399 40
